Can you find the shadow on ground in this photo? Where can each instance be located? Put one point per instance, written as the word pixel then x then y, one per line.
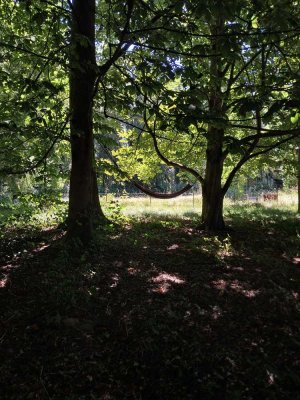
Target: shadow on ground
pixel 158 310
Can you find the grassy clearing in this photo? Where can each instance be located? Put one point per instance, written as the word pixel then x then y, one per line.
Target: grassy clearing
pixel 155 309
pixel 40 212
pixel 190 204
pixel 146 205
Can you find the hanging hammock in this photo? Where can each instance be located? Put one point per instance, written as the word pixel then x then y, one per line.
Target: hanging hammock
pixel 147 191
pixel 158 195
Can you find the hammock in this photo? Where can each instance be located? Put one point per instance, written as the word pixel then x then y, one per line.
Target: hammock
pixel 158 195
pixel 146 190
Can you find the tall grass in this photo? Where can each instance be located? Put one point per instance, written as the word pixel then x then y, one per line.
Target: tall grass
pixel 191 204
pixel 146 205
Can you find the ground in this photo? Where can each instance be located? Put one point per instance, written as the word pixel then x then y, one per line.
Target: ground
pixel 155 309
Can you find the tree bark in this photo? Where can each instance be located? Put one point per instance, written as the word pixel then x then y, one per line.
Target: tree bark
pixel 84 205
pixel 298 178
pixel 212 192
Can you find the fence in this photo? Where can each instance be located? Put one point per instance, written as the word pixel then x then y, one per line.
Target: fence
pixel 194 199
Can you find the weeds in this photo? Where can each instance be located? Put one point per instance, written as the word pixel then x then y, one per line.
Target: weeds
pixel 154 309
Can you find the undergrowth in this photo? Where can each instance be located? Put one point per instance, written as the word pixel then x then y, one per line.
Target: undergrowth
pixel 155 308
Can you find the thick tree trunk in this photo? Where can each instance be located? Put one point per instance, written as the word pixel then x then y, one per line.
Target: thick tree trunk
pixel 212 194
pixel 84 206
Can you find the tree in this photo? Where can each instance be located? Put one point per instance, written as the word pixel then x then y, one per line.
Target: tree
pixel 226 92
pixel 43 38
pixel 41 56
pixel 298 177
pixel 84 205
pixel 85 78
pixel 194 81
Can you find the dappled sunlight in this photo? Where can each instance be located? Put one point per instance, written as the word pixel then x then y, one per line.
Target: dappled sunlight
pixel 220 284
pixel 270 378
pixel 235 285
pixel 238 287
pixel 240 269
pixel 189 231
pixel 160 298
pixel 164 281
pixel 173 247
pixel 115 280
pixel 164 277
pixel 4 281
pixel 133 271
pixel 216 312
pixel 218 245
pixel 9 267
pixel 90 274
pixel 296 261
pixel 6 270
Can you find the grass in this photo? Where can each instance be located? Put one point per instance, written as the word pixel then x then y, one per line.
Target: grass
pixel 190 204
pixel 146 205
pixel 154 309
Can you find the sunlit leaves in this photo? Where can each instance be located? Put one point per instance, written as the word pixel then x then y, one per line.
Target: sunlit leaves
pixel 33 89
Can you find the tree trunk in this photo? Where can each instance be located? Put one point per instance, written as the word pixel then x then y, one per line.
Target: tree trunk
pixel 84 206
pixel 212 193
pixel 298 178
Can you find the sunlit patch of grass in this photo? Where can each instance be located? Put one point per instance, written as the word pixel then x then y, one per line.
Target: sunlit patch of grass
pixel 143 205
pixel 190 206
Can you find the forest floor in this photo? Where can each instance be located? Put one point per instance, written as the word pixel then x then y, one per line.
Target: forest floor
pixel 155 309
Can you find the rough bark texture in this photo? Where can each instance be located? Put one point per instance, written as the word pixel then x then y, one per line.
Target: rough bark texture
pixel 84 206
pixel 298 152
pixel 212 192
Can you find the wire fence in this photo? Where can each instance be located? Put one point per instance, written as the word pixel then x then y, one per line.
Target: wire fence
pixel 193 198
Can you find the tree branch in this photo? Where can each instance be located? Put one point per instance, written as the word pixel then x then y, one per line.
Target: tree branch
pixel 249 157
pixel 173 51
pixel 265 132
pixel 10 171
pixel 166 160
pixel 32 53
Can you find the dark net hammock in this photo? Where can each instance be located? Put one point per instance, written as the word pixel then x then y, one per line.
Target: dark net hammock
pixel 158 195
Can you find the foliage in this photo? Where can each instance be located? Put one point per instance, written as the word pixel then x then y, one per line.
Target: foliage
pixel 156 307
pixel 33 85
pixel 170 96
pixel 38 210
pixel 168 75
